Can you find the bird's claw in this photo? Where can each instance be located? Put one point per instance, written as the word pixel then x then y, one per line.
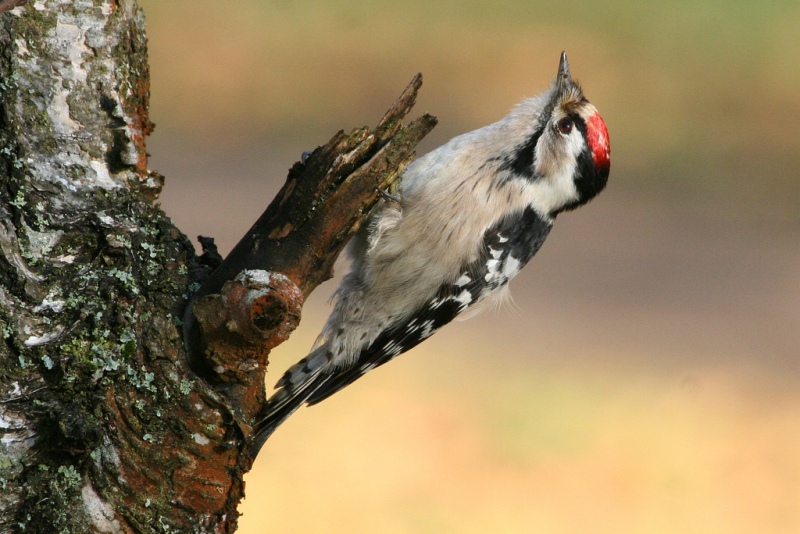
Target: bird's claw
pixel 387 196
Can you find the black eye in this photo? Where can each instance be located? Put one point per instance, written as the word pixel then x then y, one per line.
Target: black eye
pixel 564 125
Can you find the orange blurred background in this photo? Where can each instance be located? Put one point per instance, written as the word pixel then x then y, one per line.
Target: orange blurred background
pixel 646 380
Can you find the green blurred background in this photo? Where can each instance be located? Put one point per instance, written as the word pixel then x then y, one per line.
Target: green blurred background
pixel 646 380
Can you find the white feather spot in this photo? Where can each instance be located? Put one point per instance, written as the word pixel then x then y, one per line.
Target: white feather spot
pixel 392 349
pixel 512 267
pixel 427 329
pixel 464 280
pixel 464 298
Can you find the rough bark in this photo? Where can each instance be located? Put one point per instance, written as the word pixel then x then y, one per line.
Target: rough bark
pixel 251 302
pixel 104 424
pixel 7 5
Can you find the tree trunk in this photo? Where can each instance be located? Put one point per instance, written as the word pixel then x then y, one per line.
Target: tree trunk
pixel 105 425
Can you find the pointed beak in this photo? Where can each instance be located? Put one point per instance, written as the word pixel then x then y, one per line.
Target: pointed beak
pixel 564 78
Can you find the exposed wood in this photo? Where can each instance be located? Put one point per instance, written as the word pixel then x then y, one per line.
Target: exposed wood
pixel 104 425
pixel 324 201
pixel 299 236
pixel 8 5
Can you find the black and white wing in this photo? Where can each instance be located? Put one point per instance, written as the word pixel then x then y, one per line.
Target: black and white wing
pixel 506 248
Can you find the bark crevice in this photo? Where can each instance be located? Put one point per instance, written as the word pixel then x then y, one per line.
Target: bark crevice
pixel 104 425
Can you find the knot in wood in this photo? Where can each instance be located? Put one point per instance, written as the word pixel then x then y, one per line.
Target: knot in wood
pixel 253 313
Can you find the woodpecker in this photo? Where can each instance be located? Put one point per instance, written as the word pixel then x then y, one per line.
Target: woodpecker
pixel 471 214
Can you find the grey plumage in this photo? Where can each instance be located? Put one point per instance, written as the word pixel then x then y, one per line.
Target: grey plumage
pixel 471 214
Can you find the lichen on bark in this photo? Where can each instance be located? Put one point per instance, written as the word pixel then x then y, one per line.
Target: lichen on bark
pixel 97 405
pixel 104 425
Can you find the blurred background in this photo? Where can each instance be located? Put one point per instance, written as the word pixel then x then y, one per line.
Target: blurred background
pixel 647 378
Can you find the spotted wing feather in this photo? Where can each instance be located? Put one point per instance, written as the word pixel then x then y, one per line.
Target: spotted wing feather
pixel 506 248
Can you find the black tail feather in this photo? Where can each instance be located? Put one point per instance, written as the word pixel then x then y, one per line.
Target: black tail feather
pixel 271 421
pixel 281 405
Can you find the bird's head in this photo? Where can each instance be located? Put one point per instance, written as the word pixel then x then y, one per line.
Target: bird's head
pixel 566 152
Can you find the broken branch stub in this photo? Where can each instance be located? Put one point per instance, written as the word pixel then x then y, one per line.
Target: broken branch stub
pixel 301 233
pixel 324 200
pixel 8 5
pixel 240 325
